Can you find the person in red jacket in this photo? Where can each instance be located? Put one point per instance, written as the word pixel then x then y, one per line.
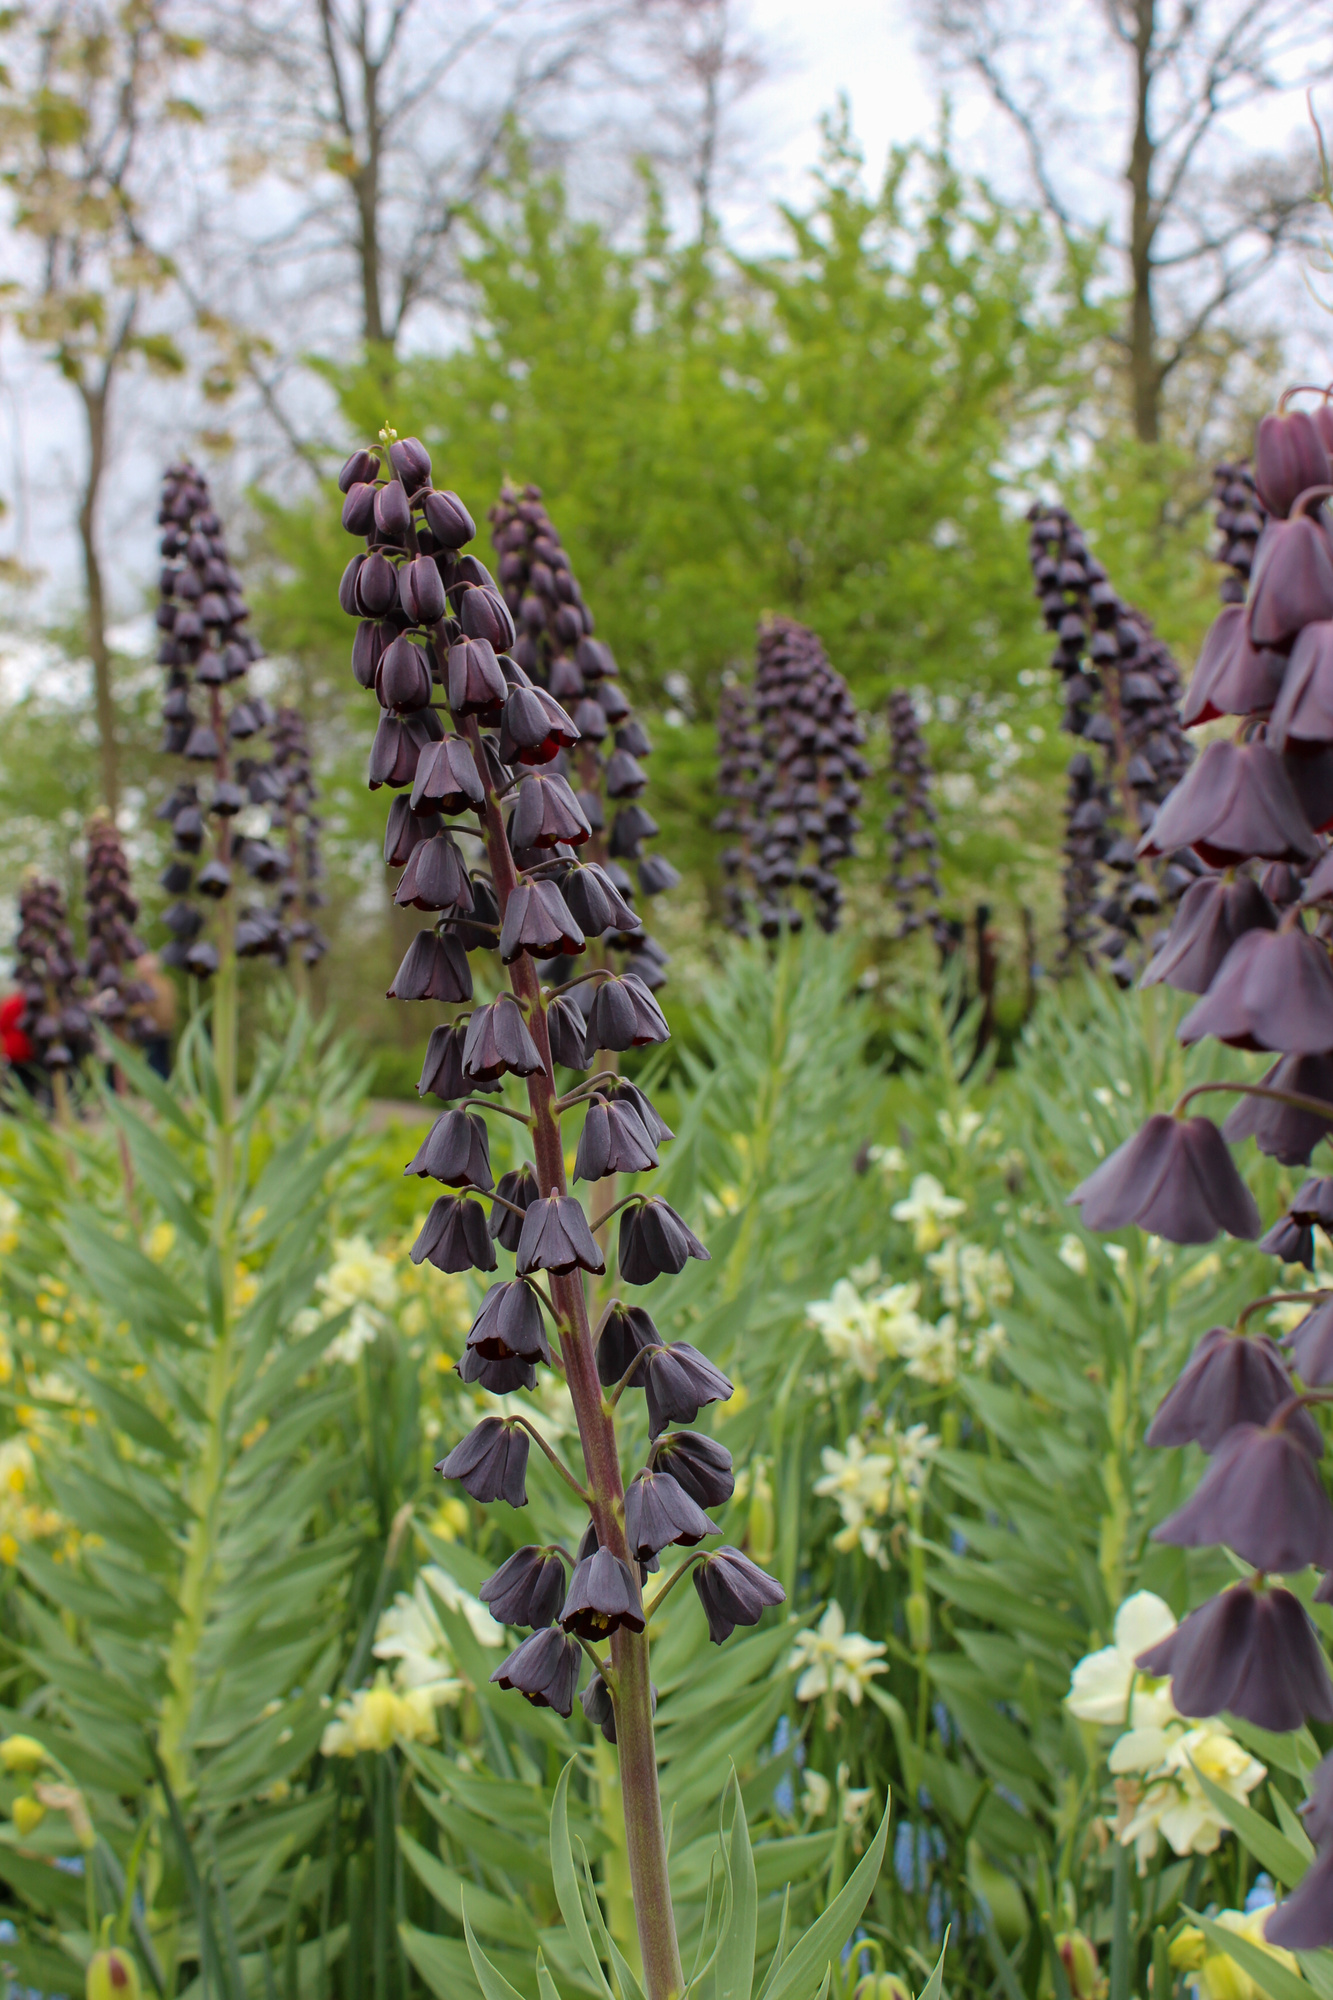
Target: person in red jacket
pixel 15 1046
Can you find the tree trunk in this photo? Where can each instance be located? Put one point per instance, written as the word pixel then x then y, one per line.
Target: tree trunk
pixel 95 408
pixel 1144 373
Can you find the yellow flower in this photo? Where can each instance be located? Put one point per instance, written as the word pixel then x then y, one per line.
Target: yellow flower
pixel 159 1241
pixel 928 1208
pixel 450 1520
pixel 1218 1976
pixel 374 1718
pixel 27 1814
pixel 22 1753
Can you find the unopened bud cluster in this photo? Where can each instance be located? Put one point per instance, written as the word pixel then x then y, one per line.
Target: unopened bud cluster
pixel 914 849
pixel 1121 688
pixel 205 649
pixel 791 766
pixel 1249 939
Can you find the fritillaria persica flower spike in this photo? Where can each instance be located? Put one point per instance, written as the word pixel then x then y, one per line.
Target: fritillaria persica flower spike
pixel 514 768
pixel 1251 939
pixel 55 1018
pixel 205 648
pixel 112 910
pixel 914 849
pixel 1121 689
pixel 790 758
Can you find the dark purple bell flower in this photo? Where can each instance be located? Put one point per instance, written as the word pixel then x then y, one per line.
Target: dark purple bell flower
pixel 534 728
pixel 402 678
pixel 1303 712
pixel 556 1237
pixel 546 813
pixel 1303 1921
pixel 1237 803
pixel 399 742
pixel 1283 1131
pixel 1313 1202
pixel 537 921
pixel 442 1072
pixel 450 523
pixel 510 1323
pixel 1317 1812
pixel 733 1591
pixel 599 1708
pixel 657 875
pixel 348 597
pixel 622 1333
pixel 568 1032
pixel 436 878
pixel 1232 677
pixel 421 591
pixel 483 614
pixel 491 1462
pixel 655 1241
pixel 677 1381
pixel 660 1513
pixel 358 470
pixel 456 1151
pixel 595 901
pixel 519 1188
pixel 1289 458
pixel 405 830
pixel 358 510
pixel 527 1590
pixel 1249 1651
pixel 393 513
pixel 1311 1346
pixel 1261 1496
pixel 1229 1379
pixel 367 648
pixel 603 1596
pixel 544 1670
pixel 1291 584
pixel 1274 991
pixel 411 461
pixel 1175 1178
pixel 446 778
pixel 498 1378
pixel 1211 915
pixel 1290 1241
pixel 435 967
pixel 625 1015
pixel 649 1117
pixel 698 1464
pixel 454 1238
pixel 376 587
pixel 613 1141
pixel 498 1041
pixel 476 686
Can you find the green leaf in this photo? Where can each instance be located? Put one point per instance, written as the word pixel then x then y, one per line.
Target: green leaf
pixel 931 1989
pixel 546 1986
pixel 1268 1973
pixel 829 1933
pixel 493 1984
pixel 733 1969
pixel 1271 1849
pixel 623 1974
pixel 567 1887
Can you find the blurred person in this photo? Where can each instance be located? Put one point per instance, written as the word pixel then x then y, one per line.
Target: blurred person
pixel 157 1013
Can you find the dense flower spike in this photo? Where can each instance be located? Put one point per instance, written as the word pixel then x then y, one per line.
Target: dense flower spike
pixel 205 648
pixel 299 894
pixel 55 1018
pixel 914 849
pixel 597 743
pixel 112 911
pixel 1121 692
pixel 791 768
pixel 1252 942
pixel 511 825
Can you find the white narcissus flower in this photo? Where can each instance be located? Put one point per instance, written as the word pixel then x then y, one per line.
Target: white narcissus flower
pixel 833 1661
pixel 1100 1688
pixel 860 1483
pixel 927 1207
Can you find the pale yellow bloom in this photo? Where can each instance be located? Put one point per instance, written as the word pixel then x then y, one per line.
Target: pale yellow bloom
pixel 374 1718
pixel 359 1278
pixel 22 1753
pixel 27 1814
pixel 1100 1688
pixel 833 1661
pixel 928 1208
pixel 1073 1252
pixel 1217 1976
pixel 9 1224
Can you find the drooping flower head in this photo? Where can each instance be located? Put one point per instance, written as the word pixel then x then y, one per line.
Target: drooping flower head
pixel 55 1018
pixel 111 911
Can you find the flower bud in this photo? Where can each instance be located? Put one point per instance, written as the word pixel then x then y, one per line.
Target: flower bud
pixel 1289 458
pixel 112 1975
pixel 1078 1955
pixel 358 470
pixel 411 461
pixel 448 520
